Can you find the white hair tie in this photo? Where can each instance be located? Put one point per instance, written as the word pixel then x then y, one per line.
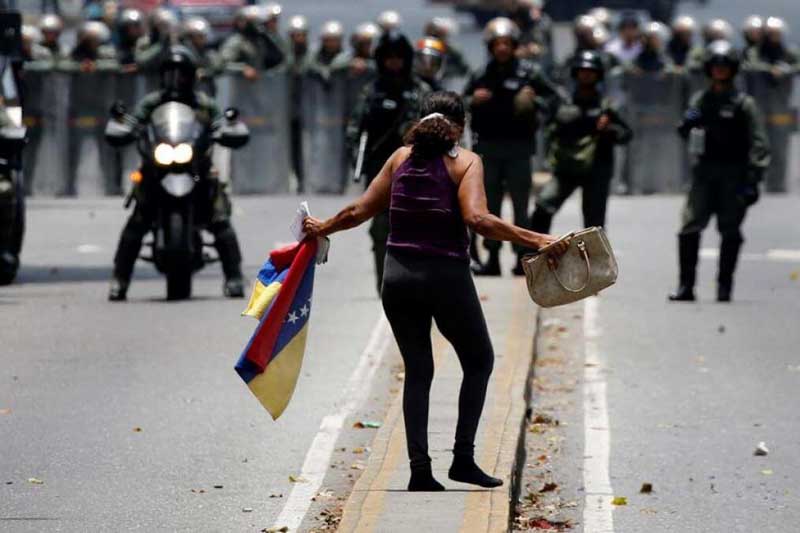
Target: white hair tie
pixel 434 115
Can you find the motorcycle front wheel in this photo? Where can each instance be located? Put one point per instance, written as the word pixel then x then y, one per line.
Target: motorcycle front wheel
pixel 179 285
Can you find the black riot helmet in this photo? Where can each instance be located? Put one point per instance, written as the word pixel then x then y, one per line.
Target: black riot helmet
pixel 178 72
pixel 588 60
pixel 722 53
pixel 394 44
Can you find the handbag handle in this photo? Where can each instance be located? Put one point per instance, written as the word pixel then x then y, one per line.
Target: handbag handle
pixel 582 249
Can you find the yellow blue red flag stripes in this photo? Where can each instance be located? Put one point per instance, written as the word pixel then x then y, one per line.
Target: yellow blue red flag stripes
pixel 281 300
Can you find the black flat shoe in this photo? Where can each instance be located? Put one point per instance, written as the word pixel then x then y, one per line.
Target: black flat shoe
pixel 466 471
pixel 422 480
pixel 234 288
pixel 683 294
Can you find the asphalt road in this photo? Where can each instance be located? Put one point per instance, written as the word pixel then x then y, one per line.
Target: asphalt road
pixel 80 374
pixel 690 389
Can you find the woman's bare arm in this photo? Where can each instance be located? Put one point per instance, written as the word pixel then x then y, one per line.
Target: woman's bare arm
pixel 472 199
pixel 374 200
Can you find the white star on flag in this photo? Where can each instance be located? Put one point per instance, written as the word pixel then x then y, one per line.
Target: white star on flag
pixel 292 318
pixel 304 311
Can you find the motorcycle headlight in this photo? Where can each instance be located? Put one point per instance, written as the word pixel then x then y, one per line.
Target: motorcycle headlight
pixel 183 153
pixel 178 184
pixel 164 154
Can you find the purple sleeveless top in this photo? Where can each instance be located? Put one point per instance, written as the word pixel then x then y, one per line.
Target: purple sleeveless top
pixel 424 213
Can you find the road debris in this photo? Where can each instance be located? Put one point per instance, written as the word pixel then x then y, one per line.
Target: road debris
pixel 761 449
pixel 647 488
pixel 247 509
pixel 137 429
pixel 362 424
pixel 297 479
pixel 282 529
pixel 767 472
pixel 35 481
pixel 619 500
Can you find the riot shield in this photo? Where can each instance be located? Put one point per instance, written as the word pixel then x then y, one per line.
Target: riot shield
pixel 323 133
pixel 774 99
pixel 46 161
pixel 263 165
pixel 93 165
pixel 656 156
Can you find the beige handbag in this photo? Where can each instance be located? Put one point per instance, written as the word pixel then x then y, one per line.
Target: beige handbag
pixel 588 267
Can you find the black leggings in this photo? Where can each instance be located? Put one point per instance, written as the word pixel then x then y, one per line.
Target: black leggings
pixel 416 291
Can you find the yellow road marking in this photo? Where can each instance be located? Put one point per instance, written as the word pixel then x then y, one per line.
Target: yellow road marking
pixel 365 504
pixel 488 510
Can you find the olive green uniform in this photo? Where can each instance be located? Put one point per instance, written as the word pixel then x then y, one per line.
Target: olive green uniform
pixel 253 49
pixel 504 133
pixel 725 176
pixel 581 157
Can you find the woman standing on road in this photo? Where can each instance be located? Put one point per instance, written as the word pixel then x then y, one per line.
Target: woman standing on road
pixel 434 192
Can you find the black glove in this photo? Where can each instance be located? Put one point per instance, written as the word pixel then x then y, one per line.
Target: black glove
pixel 748 194
pixel 692 118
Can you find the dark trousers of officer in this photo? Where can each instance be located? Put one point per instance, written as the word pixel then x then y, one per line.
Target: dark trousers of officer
pixel 595 189
pixel 296 132
pixel 507 169
pixel 713 193
pixel 141 221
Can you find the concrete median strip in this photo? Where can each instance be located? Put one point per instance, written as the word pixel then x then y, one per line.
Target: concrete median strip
pixel 379 499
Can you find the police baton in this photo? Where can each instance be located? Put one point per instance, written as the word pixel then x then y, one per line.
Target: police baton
pixel 362 150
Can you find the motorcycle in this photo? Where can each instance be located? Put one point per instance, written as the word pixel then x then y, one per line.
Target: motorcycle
pixel 173 182
pixel 12 201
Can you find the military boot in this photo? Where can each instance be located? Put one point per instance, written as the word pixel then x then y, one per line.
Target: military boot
pixel 518 270
pixel 124 260
pixel 491 267
pixel 118 291
pixel 688 251
pixel 230 256
pixel 728 257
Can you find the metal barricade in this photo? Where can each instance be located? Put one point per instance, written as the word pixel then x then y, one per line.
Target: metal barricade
pixel 656 156
pixel 263 165
pixel 774 98
pixel 46 116
pixel 324 120
pixel 93 165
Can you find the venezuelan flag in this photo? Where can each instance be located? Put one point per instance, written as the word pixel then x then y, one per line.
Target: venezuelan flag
pixel 281 301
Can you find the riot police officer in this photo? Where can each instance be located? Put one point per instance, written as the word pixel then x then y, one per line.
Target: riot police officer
pixel 504 98
pixel 653 58
pixel 12 200
pixel 384 112
pixel 32 50
pixel 389 20
pixel 151 48
pixel 536 32
pixel 272 21
pixel 714 30
pixel 92 50
pixel 51 26
pixel 299 62
pixel 752 32
pixel 429 61
pixel 359 61
pixel 330 47
pixel 196 36
pixel 681 43
pixel 178 73
pixel 773 54
pixel 582 134
pixel 130 31
pixel 250 48
pixel 455 64
pixel 729 144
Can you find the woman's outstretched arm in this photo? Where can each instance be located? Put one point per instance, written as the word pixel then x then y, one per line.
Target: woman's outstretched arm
pixel 374 200
pixel 472 199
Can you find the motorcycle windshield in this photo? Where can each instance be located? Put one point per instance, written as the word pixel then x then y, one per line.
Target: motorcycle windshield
pixel 175 123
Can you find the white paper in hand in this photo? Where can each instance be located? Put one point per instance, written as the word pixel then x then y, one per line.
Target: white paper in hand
pixel 323 243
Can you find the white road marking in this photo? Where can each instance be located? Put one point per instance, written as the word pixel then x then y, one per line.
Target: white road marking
pixel 597 509
pixel 778 256
pixel 784 255
pixel 88 249
pixel 319 454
